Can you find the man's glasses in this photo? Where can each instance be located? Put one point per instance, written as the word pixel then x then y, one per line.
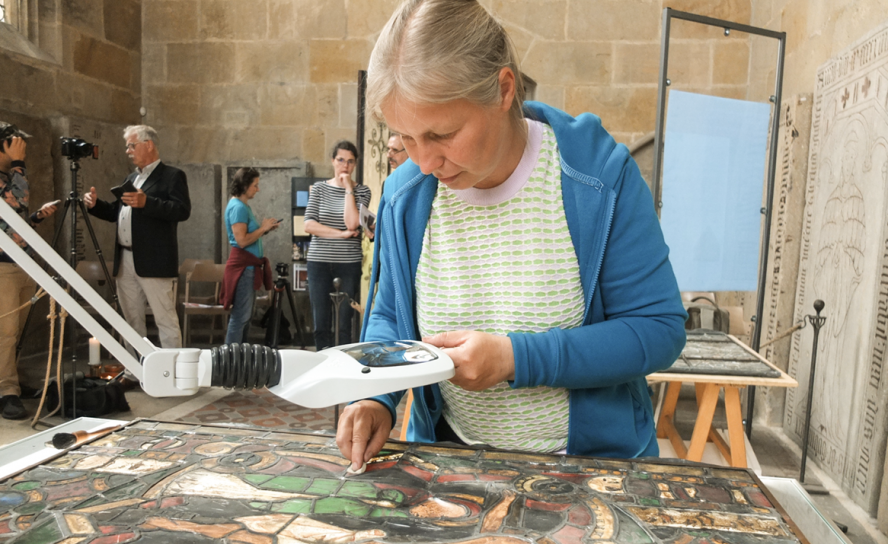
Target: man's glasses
pixel 133 145
pixel 393 151
pixel 349 162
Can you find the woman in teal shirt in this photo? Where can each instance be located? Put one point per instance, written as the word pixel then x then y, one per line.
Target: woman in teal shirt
pixel 244 232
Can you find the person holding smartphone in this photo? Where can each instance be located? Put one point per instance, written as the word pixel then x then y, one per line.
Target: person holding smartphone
pixel 333 220
pixel 17 287
pixel 153 201
pixel 245 236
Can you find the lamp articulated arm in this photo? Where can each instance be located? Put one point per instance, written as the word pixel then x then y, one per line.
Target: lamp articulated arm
pixel 313 379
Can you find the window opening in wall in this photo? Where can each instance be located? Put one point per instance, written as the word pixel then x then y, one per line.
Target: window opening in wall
pixel 3 12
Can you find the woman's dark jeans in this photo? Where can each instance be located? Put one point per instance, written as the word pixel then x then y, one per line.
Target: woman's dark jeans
pixel 320 285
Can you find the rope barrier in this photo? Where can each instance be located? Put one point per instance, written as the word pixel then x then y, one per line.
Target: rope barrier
pixel 52 316
pixel 33 300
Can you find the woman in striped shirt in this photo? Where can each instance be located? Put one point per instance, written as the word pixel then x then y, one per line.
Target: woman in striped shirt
pixel 333 220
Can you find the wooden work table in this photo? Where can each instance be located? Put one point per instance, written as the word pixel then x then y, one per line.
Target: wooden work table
pixel 709 385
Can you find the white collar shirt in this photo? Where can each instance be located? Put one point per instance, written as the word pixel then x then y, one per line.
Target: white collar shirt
pixel 125 217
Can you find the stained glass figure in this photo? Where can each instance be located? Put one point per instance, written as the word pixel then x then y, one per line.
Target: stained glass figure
pixel 161 482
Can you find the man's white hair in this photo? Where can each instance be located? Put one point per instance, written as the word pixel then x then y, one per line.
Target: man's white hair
pixel 143 132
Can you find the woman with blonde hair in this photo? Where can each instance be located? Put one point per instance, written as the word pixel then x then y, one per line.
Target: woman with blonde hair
pixel 521 240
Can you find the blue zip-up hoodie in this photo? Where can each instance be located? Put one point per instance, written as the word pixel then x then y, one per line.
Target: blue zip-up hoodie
pixel 633 321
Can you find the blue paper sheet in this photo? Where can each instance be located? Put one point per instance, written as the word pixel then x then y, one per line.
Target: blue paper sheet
pixel 713 181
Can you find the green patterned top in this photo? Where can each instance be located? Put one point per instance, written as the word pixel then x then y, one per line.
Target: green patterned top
pixel 501 266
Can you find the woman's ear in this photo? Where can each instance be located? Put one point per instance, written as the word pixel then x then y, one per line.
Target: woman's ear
pixel 507 88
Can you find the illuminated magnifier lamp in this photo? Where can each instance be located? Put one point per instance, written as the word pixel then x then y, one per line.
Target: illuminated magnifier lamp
pixel 312 379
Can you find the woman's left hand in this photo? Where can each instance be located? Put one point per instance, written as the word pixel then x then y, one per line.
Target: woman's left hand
pixel 482 360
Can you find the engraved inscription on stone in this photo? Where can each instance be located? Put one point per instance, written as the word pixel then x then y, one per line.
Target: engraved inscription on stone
pixel 843 262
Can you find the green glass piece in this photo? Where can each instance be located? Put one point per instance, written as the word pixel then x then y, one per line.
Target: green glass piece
pixel 358 489
pixel 94 501
pixel 648 502
pixel 259 505
pixel 323 487
pixel 393 495
pixel 44 534
pixel 26 486
pixel 131 453
pixel 335 505
pixel 126 491
pixel 293 506
pixel 257 479
pixel 286 483
pixel 31 508
pixel 388 513
pixel 640 475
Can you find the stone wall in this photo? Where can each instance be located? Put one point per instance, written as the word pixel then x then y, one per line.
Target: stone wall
pixel 275 81
pixel 71 68
pixel 86 61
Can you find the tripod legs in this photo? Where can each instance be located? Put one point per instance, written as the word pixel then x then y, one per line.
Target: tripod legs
pixel 282 285
pixel 75 200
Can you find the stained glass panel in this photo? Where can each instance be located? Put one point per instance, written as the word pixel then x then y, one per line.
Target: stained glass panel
pixel 159 482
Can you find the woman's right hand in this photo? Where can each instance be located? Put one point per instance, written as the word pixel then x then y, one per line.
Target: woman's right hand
pixel 345 181
pixel 364 428
pixel 268 224
pixel 348 233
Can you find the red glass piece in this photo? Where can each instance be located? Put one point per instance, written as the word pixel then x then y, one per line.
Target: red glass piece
pixel 569 535
pixel 547 506
pixel 114 539
pixel 579 515
pixel 578 479
pixel 418 472
pixel 170 502
pixel 380 466
pixel 445 478
pixel 759 499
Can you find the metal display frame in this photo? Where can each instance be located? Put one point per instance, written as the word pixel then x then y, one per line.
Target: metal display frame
pixel 728 26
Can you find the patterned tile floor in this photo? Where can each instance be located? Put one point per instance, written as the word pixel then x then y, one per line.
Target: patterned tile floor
pixel 261 408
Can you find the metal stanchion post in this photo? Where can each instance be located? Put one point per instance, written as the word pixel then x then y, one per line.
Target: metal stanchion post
pixel 817 322
pixel 337 296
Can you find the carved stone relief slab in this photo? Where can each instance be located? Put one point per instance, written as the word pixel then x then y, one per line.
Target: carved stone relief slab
pixel 783 261
pixel 844 262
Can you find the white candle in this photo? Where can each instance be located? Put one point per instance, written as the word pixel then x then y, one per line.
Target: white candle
pixel 95 357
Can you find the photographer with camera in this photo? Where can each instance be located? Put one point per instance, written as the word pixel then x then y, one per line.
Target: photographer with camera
pixel 17 287
pixel 245 236
pixel 146 255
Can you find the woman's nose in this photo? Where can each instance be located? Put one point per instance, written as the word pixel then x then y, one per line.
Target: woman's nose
pixel 426 157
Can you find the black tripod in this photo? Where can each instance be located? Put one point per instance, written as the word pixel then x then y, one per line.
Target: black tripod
pixel 72 203
pixel 282 285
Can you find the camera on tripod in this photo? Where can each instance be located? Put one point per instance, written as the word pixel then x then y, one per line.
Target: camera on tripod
pixel 76 149
pixel 282 269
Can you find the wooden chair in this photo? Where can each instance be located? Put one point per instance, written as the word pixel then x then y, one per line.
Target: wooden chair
pixel 185 269
pixel 204 273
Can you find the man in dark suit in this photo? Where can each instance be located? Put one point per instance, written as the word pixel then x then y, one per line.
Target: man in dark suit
pixel 146 255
